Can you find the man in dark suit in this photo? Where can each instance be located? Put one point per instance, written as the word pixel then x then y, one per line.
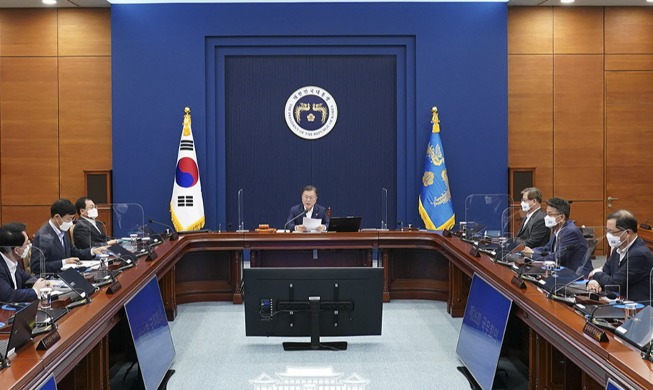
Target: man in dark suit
pixel 308 208
pixel 88 231
pixel 532 233
pixel 567 246
pixel 52 241
pixel 629 266
pixel 14 247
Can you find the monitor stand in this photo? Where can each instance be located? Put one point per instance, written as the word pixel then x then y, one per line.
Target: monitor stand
pixel 315 344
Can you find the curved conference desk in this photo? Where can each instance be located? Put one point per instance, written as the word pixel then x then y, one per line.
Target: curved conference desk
pixel 417 265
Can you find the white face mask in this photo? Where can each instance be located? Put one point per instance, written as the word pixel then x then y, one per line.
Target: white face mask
pixel 613 241
pixel 92 213
pixel 525 206
pixel 65 226
pixel 26 251
pixel 550 221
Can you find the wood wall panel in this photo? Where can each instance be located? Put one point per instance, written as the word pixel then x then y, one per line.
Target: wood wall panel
pixel 577 30
pixel 33 216
pixel 28 32
pixel 629 30
pixel 629 62
pixel 629 108
pixel 530 30
pixel 85 32
pixel 578 127
pixel 530 116
pixel 29 131
pixel 84 120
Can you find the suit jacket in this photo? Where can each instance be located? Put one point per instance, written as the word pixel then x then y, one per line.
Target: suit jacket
pixel 570 248
pixel 534 233
pixel 86 235
pixel 634 271
pixel 319 212
pixel 7 291
pixel 48 242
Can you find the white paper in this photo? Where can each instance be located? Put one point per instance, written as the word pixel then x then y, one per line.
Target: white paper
pixel 311 223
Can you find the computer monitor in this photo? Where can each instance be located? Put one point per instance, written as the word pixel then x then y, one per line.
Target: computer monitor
pixel 612 385
pixel 482 331
pixel 48 384
pixel 149 329
pixel 313 302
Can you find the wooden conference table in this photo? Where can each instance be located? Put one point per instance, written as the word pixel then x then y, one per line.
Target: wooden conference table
pixel 417 265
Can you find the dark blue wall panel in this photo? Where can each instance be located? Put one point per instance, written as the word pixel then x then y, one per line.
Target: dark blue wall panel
pixel 160 65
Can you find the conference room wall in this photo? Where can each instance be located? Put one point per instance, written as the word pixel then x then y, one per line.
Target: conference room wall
pixel 159 67
pixel 55 107
pixel 559 61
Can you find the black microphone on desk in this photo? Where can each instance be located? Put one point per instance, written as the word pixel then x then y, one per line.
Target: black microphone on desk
pixel 82 294
pixel 646 225
pixel 292 219
pixel 173 232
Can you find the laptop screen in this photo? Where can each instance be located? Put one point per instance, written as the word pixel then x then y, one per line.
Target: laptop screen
pixel 21 329
pixel 344 224
pixel 638 330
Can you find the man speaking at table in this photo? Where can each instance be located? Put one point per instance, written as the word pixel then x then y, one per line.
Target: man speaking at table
pixel 309 209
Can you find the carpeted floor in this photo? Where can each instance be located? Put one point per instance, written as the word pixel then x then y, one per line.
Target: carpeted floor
pixel 417 350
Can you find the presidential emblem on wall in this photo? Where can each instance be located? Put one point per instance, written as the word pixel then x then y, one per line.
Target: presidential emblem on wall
pixel 311 112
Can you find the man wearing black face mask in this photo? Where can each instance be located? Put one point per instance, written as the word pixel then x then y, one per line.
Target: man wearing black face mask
pixel 52 241
pixel 630 263
pixel 15 246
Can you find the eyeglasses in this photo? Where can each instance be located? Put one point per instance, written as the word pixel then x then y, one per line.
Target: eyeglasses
pixel 552 214
pixel 308 197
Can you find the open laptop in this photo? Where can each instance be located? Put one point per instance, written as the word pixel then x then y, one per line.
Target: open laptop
pixel 638 330
pixel 21 329
pixel 558 280
pixel 82 288
pixel 605 312
pixel 344 224
pixel 122 253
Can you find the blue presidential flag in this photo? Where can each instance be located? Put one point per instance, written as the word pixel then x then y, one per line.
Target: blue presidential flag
pixel 435 205
pixel 187 204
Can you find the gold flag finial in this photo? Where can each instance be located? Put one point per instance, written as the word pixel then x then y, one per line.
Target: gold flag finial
pixel 435 120
pixel 187 121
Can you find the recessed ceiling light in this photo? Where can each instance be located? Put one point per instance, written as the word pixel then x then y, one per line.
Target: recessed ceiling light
pixel 567 1
pixel 49 2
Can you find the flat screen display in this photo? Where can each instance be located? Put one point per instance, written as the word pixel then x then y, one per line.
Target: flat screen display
pixel 48 384
pixel 274 298
pixel 152 339
pixel 482 331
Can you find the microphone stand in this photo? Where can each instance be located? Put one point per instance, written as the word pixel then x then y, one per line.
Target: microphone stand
pixel 384 209
pixel 285 227
pixel 241 222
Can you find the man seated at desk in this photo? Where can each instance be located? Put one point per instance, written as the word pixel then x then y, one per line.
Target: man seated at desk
pixel 88 231
pixel 629 266
pixel 533 232
pixel 567 246
pixel 308 208
pixel 14 247
pixel 52 242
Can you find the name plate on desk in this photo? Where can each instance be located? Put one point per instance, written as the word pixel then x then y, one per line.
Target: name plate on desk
pixel 595 332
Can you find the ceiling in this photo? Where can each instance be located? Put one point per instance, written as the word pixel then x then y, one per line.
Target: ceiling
pixel 105 3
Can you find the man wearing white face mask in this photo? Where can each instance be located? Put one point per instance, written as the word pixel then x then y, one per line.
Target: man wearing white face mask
pixel 629 266
pixel 533 232
pixel 52 241
pixel 567 246
pixel 88 231
pixel 15 246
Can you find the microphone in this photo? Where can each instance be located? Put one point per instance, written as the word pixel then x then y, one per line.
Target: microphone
pixel 292 219
pixel 173 234
pixel 241 222
pixel 42 273
pixel 384 209
pixel 646 225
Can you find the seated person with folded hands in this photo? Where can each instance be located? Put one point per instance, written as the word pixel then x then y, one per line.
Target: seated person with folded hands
pixel 630 263
pixel 14 247
pixel 567 246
